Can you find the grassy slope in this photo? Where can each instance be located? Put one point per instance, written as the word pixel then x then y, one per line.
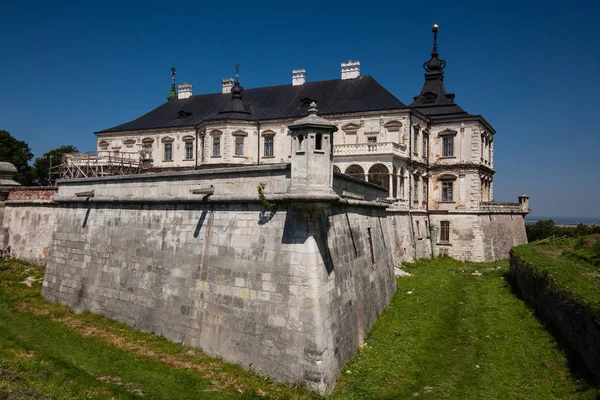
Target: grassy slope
pixel 573 276
pixel 431 341
pixel 428 342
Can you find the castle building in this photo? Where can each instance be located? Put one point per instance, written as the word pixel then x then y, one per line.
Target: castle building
pixel 435 159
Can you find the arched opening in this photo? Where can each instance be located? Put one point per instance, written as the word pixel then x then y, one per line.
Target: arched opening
pixel 356 171
pixel 337 169
pixel 379 175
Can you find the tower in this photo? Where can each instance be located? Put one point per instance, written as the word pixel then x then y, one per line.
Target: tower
pixel 312 154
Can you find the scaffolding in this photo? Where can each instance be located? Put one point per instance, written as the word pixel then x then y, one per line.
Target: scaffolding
pixel 93 165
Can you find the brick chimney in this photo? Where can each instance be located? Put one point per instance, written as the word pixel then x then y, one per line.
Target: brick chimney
pixel 350 70
pixel 184 90
pixel 227 84
pixel 298 77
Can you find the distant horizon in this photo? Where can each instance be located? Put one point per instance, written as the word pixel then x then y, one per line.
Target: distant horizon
pixel 584 220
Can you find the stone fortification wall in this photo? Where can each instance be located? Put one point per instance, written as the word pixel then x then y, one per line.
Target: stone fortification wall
pixel 291 291
pixel 480 236
pixel 501 232
pixel 349 186
pixel 29 219
pixel 234 181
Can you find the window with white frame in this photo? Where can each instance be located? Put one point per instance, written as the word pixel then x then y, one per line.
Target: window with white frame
pixel 216 148
pixel 424 187
pixel 448 146
pixel 444 231
pixel 425 146
pixel 372 139
pixel 189 150
pixel 415 190
pixel 269 146
pixel 447 188
pixel 168 152
pixel 239 146
pixel 416 141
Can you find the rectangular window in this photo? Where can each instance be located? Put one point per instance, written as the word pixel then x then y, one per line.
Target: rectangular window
pixel 425 146
pixel 448 146
pixel 216 146
pixel 372 139
pixel 424 198
pixel 415 191
pixel 416 142
pixel 268 146
pixel 239 146
pixel 189 150
pixel 168 152
pixel 445 231
pixel 418 230
pixel 447 191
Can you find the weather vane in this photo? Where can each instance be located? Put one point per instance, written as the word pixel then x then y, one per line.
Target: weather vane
pixel 237 70
pixel 173 73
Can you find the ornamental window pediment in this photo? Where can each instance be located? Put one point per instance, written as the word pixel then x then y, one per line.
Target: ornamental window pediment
pixel 447 132
pixel 350 128
pixel 188 138
pixel 129 142
pixel 103 144
pixel 268 133
pixel 215 132
pixel 239 132
pixel 167 139
pixel 446 177
pixel 393 126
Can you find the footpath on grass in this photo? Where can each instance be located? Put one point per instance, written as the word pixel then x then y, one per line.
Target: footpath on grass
pixel 453 330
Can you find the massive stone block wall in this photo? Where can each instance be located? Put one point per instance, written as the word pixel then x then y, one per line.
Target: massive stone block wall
pixel 481 236
pixel 29 220
pixel 292 292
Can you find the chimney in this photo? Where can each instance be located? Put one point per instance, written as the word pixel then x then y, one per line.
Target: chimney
pixel 298 77
pixel 227 85
pixel 351 70
pixel 184 90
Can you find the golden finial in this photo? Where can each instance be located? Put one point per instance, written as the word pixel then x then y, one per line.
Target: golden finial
pixel 435 27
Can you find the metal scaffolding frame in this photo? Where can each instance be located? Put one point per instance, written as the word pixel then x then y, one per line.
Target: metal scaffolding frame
pixel 93 165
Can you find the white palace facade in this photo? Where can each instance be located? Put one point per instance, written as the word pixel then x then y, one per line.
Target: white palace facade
pixel 435 159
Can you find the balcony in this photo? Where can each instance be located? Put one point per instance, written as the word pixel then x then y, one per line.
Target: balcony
pixel 369 148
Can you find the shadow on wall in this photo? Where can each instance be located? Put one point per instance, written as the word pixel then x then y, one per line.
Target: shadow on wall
pixel 300 225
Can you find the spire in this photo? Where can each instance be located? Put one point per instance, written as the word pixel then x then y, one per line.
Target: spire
pixel 172 94
pixel 236 90
pixel 434 66
pixel 434 92
pixel 236 108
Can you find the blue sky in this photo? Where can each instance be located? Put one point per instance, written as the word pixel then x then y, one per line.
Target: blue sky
pixel 532 69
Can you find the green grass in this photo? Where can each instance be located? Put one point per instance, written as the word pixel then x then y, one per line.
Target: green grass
pixel 459 336
pixel 429 342
pixel 569 265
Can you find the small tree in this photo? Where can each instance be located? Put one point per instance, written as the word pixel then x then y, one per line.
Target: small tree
pixel 50 158
pixel 19 154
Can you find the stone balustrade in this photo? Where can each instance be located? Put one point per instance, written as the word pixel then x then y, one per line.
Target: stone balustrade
pixel 370 148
